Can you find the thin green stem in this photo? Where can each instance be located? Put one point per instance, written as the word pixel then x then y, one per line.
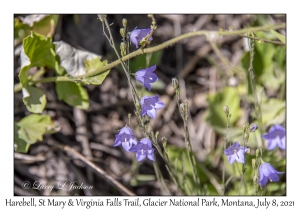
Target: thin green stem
pixel 264 40
pixel 224 159
pixel 253 87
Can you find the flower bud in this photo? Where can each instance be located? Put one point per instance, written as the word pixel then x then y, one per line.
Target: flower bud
pixel 253 163
pixel 253 127
pixel 257 152
pixel 102 17
pixel 122 32
pixel 124 22
pixel 123 49
pixel 175 83
pixel 226 110
pixel 164 141
pixel 181 107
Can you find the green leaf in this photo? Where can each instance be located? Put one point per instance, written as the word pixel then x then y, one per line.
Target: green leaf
pixel 34 99
pixel 262 62
pixel 273 112
pixel 185 180
pixel 38 51
pixel 21 145
pixel 215 115
pixel 33 127
pixel 145 60
pixel 92 65
pixel 278 36
pixel 73 94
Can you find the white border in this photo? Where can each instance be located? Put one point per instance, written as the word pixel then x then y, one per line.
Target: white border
pixel 153 6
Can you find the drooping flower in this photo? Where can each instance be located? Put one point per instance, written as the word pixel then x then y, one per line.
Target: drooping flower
pixel 253 127
pixel 143 149
pixel 150 104
pixel 137 35
pixel 276 137
pixel 266 173
pixel 236 153
pixel 146 76
pixel 126 138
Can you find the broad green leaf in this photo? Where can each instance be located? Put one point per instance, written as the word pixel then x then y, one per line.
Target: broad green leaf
pixel 73 94
pixel 38 51
pixel 215 115
pixel 280 57
pixel 273 111
pixel 262 62
pixel 186 179
pixel 33 127
pixel 34 99
pixel 145 60
pixel 92 65
pixel 21 145
pixel 278 36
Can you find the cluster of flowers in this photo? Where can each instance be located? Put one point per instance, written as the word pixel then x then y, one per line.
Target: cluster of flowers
pixel 149 104
pixel 275 137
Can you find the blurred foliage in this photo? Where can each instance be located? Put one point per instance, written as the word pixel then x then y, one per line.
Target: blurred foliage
pixel 42 24
pixel 215 115
pixel 30 130
pixel 145 60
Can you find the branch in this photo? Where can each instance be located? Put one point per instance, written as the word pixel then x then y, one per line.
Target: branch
pixel 96 168
pixel 157 48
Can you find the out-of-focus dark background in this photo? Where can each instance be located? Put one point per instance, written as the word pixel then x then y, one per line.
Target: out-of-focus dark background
pixel 203 70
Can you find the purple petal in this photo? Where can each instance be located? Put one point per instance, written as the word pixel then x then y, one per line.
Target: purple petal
pixel 240 156
pixel 145 141
pixel 263 181
pixel 145 98
pixel 159 105
pixel 144 111
pixel 151 69
pixel 143 33
pixel 228 151
pixel 281 143
pixel 141 72
pixel 272 144
pixel 140 79
pixel 151 77
pixel 117 142
pixel 133 142
pixel 147 85
pixel 231 159
pixel 150 155
pixel 236 145
pixel 126 130
pixel 274 177
pixel 133 37
pixel 151 113
pixel 135 148
pixel 244 149
pixel 140 155
pixel 126 146
pixel 276 127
